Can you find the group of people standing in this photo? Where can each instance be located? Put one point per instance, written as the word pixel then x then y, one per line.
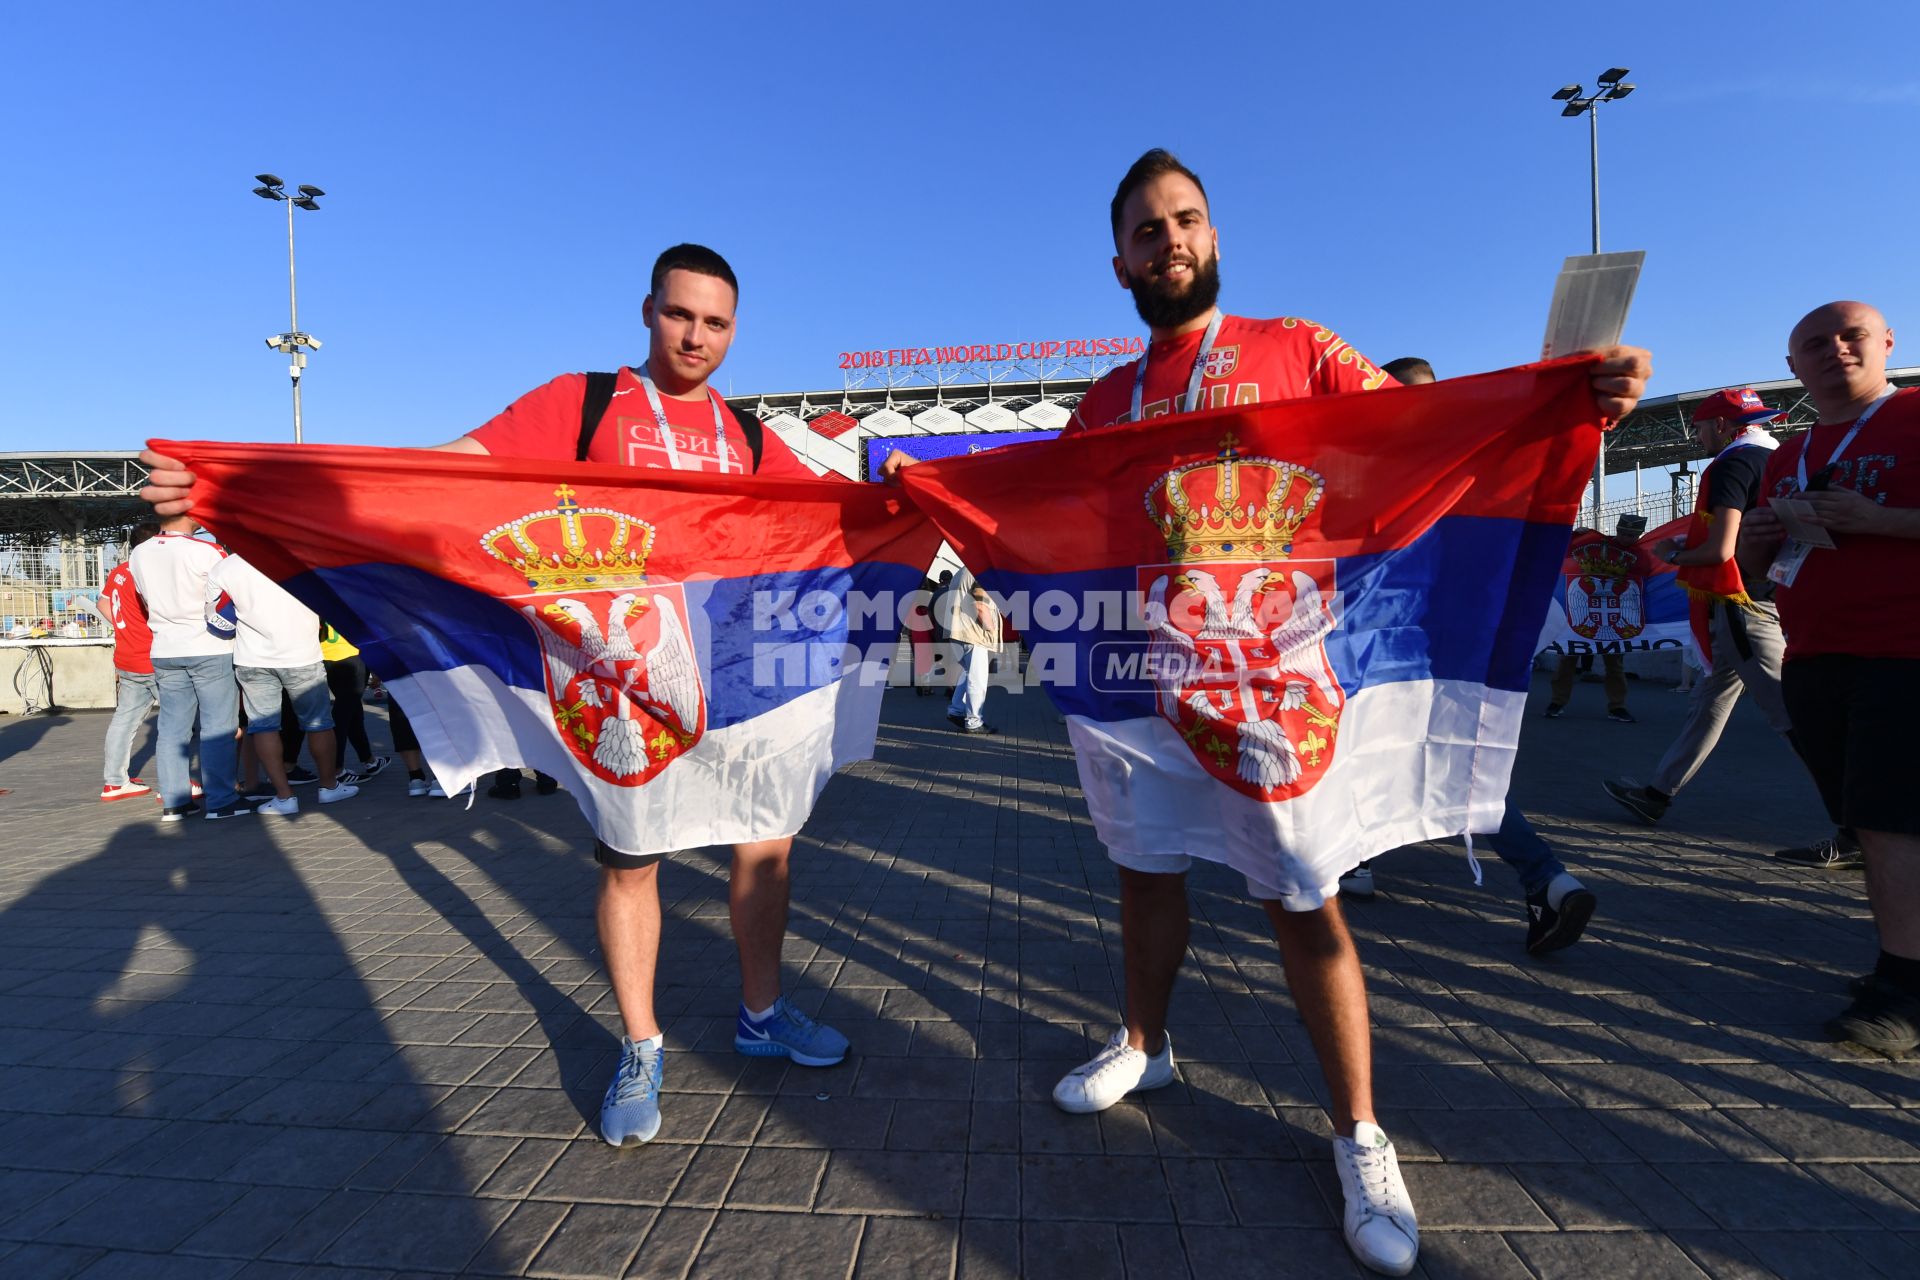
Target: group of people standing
pixel 1844 702
pixel 238 663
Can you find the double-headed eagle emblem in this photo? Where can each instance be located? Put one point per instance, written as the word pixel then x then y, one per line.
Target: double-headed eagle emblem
pixel 621 672
pixel 1239 627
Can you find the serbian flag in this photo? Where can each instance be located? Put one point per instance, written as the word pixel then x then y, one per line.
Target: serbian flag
pixel 1290 636
pixel 1613 596
pixel 677 648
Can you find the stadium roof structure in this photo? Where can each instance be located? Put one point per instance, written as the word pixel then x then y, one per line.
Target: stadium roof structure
pixel 46 495
pixel 1660 433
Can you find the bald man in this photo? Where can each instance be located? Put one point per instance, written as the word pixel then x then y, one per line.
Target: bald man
pixel 1852 617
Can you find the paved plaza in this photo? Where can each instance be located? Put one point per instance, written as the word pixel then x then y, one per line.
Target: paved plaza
pixel 371 1040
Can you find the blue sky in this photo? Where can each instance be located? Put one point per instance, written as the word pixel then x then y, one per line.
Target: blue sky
pixel 501 176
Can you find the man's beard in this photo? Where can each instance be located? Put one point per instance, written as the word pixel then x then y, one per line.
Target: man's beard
pixel 1163 307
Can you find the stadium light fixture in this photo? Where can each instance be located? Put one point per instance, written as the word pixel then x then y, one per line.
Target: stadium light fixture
pixel 1579 103
pixel 293 344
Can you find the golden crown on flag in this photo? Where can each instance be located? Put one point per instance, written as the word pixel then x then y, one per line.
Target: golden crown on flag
pixel 1605 560
pixel 1233 507
pixel 574 548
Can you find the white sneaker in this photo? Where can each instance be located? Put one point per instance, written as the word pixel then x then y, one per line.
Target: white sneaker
pixel 345 791
pixel 1116 1071
pixel 1358 883
pixel 416 786
pixel 284 808
pixel 1381 1229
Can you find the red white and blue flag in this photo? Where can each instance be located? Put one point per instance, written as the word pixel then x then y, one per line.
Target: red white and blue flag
pixel 677 648
pixel 1617 598
pixel 1292 636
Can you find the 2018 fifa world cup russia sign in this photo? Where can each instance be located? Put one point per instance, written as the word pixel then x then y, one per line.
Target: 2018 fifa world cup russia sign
pixel 979 353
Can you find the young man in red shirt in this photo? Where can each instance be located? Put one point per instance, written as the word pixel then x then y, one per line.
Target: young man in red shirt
pixel 1851 613
pixel 1166 253
pixel 133 689
pixel 662 414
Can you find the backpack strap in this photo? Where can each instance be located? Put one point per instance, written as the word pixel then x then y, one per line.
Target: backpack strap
pixel 599 395
pixel 755 433
pixel 593 408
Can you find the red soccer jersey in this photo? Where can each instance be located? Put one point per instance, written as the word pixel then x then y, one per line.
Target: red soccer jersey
pixel 1252 361
pixel 132 638
pixel 545 423
pixel 1863 596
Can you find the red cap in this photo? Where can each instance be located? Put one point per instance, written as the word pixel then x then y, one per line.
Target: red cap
pixel 1735 404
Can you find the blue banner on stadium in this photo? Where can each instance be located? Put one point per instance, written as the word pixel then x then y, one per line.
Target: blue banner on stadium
pixel 927 448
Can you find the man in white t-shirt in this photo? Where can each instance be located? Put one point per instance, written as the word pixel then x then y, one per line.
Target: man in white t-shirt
pixel 276 649
pixel 192 670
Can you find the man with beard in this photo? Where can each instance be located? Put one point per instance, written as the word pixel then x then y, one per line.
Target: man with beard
pixel 1167 256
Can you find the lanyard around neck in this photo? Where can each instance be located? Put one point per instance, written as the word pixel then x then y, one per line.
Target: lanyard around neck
pixel 666 431
pixel 1800 464
pixel 1193 379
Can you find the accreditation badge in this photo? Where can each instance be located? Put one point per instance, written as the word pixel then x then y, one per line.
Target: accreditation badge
pixel 1786 566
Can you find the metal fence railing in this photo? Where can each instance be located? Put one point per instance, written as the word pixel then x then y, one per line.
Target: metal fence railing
pixel 52 590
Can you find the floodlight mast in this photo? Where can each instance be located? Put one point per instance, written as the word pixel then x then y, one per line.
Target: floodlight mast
pixel 294 344
pixel 1580 102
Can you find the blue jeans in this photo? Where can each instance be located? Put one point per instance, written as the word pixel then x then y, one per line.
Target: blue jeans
pixel 203 687
pixel 970 690
pixel 1521 848
pixel 133 693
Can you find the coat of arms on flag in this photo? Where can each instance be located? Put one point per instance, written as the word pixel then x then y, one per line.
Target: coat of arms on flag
pixel 621 675
pixel 1606 589
pixel 1239 629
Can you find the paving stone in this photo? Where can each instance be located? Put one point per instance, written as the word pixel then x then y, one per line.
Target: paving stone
pixel 1068 1250
pixel 775 1178
pixel 907 1249
pixel 1490 1137
pixel 1243 1251
pixel 1829 1134
pixel 668 1249
pixel 589 1171
pixel 253 1221
pixel 1610 1253
pixel 1470 1255
pixel 1464 1196
pixel 593 1241
pixel 1763 1197
pixel 807 1245
pixel 913 1182
pixel 1094 1187
pixel 152 1266
pixel 989 1250
pixel 151 1215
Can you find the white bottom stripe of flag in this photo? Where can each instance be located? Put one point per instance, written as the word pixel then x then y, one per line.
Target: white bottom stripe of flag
pixel 1416 760
pixel 754 780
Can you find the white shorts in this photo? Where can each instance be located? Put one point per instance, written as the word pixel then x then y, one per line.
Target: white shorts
pixel 1177 864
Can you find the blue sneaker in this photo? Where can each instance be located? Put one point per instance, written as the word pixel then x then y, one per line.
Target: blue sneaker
pixel 631 1111
pixel 788 1033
